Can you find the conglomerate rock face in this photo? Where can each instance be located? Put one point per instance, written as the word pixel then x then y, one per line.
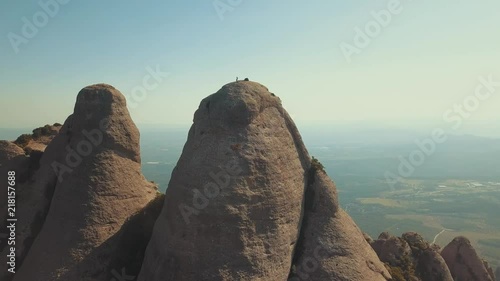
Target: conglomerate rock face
pixel 411 258
pixel 235 205
pixel 429 265
pixel 92 167
pixel 331 246
pixel 464 262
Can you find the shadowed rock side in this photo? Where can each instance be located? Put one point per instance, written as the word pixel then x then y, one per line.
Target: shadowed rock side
pixel 12 158
pixel 131 241
pixel 464 263
pixel 497 273
pixel 234 205
pixel 332 247
pixel 24 158
pixel 97 186
pixel 489 269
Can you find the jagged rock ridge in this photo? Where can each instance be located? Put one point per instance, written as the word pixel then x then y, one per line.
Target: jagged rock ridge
pixel 246 202
pixel 411 258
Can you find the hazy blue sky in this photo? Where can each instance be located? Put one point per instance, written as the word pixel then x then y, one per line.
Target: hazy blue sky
pixel 425 60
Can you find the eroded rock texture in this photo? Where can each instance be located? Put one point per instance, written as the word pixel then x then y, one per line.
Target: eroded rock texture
pixel 237 201
pixel 464 262
pixel 93 169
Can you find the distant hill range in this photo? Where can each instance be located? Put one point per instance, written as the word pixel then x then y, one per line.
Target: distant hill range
pixel 245 201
